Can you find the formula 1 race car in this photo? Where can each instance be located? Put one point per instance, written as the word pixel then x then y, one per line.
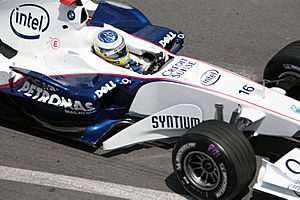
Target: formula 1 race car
pixel 52 79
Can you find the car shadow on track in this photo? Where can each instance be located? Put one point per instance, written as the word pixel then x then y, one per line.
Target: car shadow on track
pixel 49 135
pixel 263 196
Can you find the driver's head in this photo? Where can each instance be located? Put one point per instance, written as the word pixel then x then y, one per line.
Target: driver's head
pixel 110 46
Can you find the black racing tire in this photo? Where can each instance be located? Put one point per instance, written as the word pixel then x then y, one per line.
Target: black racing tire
pixel 285 65
pixel 214 160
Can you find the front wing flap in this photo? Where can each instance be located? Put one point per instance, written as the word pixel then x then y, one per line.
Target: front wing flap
pixel 282 178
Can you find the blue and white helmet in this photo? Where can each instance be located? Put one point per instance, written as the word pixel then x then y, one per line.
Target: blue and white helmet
pixel 110 46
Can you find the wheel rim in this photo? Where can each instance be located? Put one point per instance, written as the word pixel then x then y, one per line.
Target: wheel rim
pixel 293 92
pixel 202 170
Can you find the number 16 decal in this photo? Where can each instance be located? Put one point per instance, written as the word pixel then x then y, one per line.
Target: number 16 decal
pixel 247 90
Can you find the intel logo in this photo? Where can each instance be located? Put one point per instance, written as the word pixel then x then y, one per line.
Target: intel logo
pixel 210 77
pixel 28 21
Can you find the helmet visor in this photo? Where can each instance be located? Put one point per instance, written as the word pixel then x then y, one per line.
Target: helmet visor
pixel 116 53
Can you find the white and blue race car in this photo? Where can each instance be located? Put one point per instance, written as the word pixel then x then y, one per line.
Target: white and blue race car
pixel 51 79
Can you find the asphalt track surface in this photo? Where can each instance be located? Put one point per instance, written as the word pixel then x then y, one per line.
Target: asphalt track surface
pixel 239 35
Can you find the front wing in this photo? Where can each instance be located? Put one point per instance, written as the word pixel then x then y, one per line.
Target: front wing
pixel 282 178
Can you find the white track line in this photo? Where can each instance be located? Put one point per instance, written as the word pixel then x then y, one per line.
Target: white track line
pixel 84 185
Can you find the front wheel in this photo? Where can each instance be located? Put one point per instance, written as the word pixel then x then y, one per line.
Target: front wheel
pixel 283 70
pixel 214 161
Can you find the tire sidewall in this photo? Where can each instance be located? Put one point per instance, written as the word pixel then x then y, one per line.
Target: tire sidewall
pixel 280 67
pixel 281 64
pixel 228 177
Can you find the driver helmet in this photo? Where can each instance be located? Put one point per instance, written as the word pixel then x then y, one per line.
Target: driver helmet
pixel 110 46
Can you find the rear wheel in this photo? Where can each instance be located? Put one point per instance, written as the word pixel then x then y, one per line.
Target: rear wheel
pixel 283 70
pixel 214 161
